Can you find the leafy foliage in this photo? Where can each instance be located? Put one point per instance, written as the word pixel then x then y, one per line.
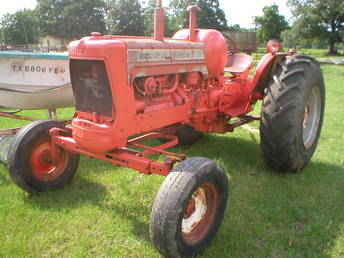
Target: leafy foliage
pixel 179 12
pixel 170 21
pixel 321 19
pixel 125 17
pixel 148 17
pixel 19 28
pixel 71 19
pixel 293 38
pixel 271 24
pixel 211 15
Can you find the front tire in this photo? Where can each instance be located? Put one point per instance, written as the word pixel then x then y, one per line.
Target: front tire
pixel 292 114
pixel 189 208
pixel 30 162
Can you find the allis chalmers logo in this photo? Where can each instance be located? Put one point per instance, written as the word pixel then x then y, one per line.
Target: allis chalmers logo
pixel 165 55
pixel 37 69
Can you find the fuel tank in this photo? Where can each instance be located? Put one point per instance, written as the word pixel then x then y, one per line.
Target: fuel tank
pixel 215 47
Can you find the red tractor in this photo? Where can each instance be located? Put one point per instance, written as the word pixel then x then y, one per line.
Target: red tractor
pixel 132 89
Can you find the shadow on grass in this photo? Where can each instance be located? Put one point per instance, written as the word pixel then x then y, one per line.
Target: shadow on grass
pixel 271 214
pixel 301 212
pixel 135 211
pixel 276 214
pixel 83 191
pixel 229 151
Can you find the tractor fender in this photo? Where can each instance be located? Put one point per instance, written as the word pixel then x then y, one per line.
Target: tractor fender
pixel 265 70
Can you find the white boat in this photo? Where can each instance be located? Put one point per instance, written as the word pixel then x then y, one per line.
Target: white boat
pixel 35 80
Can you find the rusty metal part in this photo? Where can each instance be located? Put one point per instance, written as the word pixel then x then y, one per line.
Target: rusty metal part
pixel 14 116
pixel 11 131
pixel 242 121
pixel 171 142
pixel 16 111
pixel 199 213
pixel 44 168
pixel 126 156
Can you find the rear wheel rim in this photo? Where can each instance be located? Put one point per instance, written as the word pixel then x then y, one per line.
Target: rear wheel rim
pixel 199 213
pixel 311 120
pixel 43 169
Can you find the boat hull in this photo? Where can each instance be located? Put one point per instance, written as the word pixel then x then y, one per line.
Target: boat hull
pixel 35 81
pixel 50 99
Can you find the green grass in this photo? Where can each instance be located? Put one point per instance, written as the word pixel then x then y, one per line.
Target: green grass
pixel 105 211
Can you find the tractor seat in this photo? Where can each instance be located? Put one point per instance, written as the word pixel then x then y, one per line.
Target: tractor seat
pixel 238 63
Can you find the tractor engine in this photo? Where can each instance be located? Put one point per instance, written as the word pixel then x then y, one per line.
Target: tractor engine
pixel 126 86
pixel 199 84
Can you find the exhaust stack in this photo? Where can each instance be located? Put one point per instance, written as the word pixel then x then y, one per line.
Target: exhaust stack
pixel 159 21
pixel 193 9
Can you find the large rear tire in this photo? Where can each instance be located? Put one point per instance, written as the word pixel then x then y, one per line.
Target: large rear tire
pixel 189 208
pixel 292 114
pixel 30 162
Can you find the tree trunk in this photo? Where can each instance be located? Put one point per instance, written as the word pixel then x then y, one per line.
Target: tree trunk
pixel 332 50
pixel 333 39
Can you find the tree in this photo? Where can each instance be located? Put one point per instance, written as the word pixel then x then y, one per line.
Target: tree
pixel 320 19
pixel 125 17
pixel 148 17
pixel 20 28
pixel 292 38
pixel 178 9
pixel 236 27
pixel 71 19
pixel 271 24
pixel 211 15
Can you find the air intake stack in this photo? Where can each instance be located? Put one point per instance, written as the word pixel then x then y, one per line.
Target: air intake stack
pixel 159 21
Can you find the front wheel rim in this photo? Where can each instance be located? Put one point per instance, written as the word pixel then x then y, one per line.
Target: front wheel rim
pixel 311 120
pixel 43 168
pixel 199 213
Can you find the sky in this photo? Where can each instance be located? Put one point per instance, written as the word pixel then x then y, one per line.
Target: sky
pixel 237 11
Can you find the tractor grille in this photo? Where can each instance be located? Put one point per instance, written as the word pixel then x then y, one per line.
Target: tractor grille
pixel 91 87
